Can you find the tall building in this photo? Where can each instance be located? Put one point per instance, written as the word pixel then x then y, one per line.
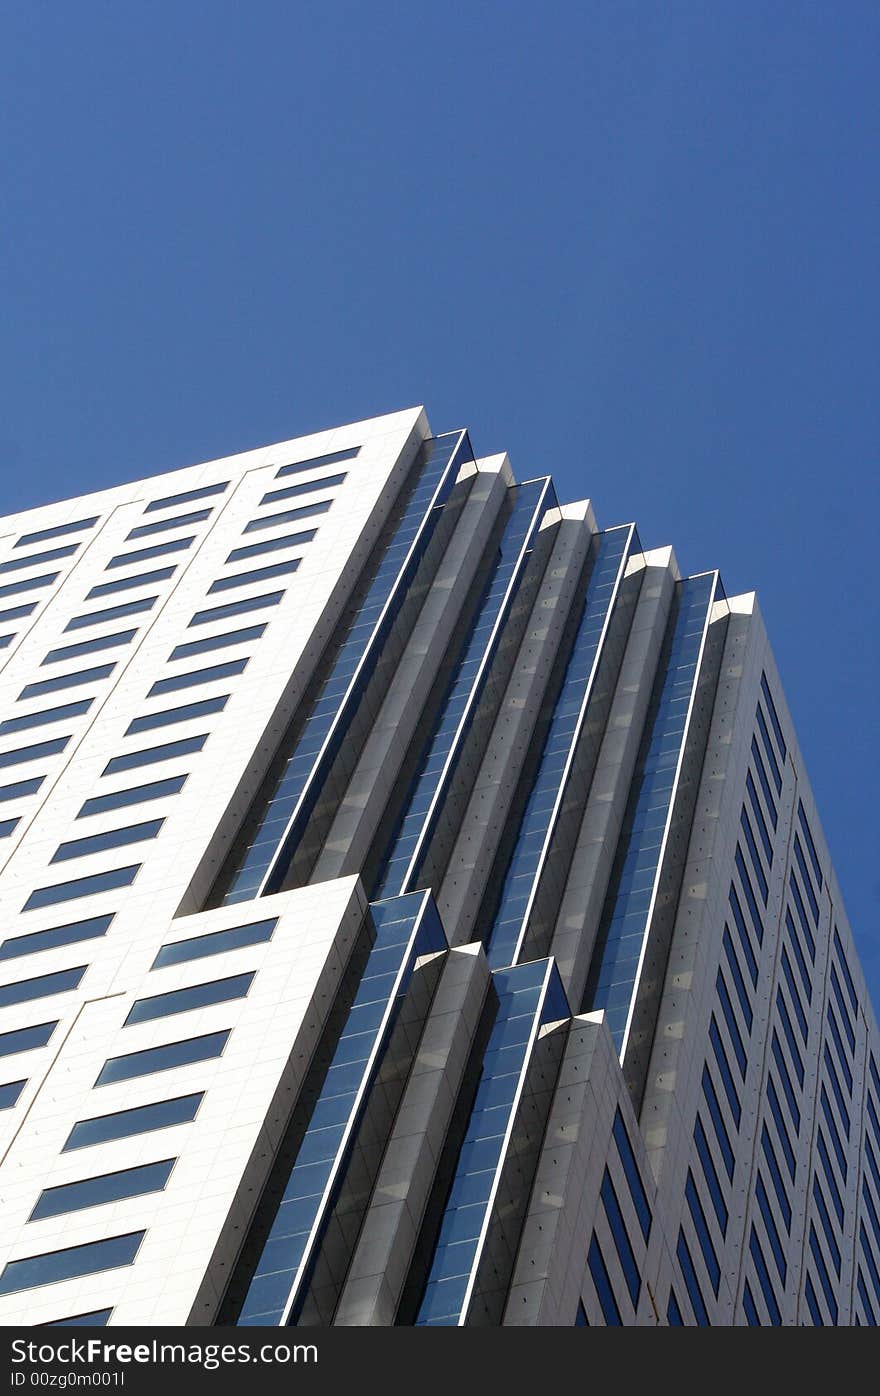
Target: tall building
pixel 414 911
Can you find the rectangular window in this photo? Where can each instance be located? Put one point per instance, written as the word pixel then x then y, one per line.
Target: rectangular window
pixel 237 608
pixel 145 579
pixel 305 511
pixel 218 942
pixel 165 1058
pixel 17 564
pixel 198 676
pixel 29 584
pixel 774 717
pixel 710 1173
pixel 272 545
pixel 82 887
pixel 633 1175
pixel 806 879
pixel 160 526
pixel 175 545
pixel 150 756
pixel 106 1188
pixel 20 788
pixel 22 754
pixel 724 1069
pixel 739 982
pixel 168 716
pixel 143 1119
pixel 187 497
pixel 776 1177
pixel 10 1092
pixel 70 934
pixel 332 458
pixel 771 1227
pixel 44 534
pixel 764 1279
pixel 768 750
pixel 621 1239
pixel 327 482
pixel 18 612
pixel 44 985
pixel 26 1039
pixel 134 795
pixel 602 1283
pixel 45 716
pixel 194 996
pixel 701 1226
pixel 257 574
pixel 55 1266
pixel 60 681
pixel 218 642
pixel 110 838
pixel 718 1122
pixel 811 847
pixel 97 642
pixel 110 613
pixel 691 1283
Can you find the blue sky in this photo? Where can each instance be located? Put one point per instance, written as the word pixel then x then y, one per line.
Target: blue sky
pixel 635 244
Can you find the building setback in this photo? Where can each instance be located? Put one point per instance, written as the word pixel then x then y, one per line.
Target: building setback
pixel 414 912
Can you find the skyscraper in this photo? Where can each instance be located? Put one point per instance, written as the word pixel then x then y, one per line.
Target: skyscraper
pixel 414 911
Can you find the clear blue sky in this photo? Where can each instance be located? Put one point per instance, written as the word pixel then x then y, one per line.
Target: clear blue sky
pixel 635 244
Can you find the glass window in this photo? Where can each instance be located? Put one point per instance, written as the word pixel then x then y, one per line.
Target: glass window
pixel 701 1227
pixel 827 1224
pixel 107 1187
pixel 813 1304
pixel 198 676
pixel 828 1170
pixel 831 1123
pixel 739 982
pixel 143 1119
pixel 153 1059
pixel 193 996
pixel 44 534
pixel 760 821
pixel 167 716
pixel 824 1276
pixel 179 521
pixel 20 788
pixel 602 1282
pixel 98 1318
pixel 237 608
pixel 149 756
pixel 750 1309
pixel 764 1279
pixel 754 855
pixel 710 1173
pixel 271 545
pixel 110 613
pixel 806 879
pixel 811 847
pixel 9 826
pixel 739 1050
pixel 19 612
pixel 788 1030
pixel 332 458
pixel 70 934
pixel 781 1126
pixel 54 1266
pixel 82 887
pixel 174 545
pixel 744 937
pixel 633 1175
pixel 305 487
pixel 23 990
pixel 144 579
pixel 844 1011
pixel 29 584
pixel 764 782
pixel 202 492
pixel 304 511
pixel 774 716
pixel 768 750
pixel 22 754
pixel 217 642
pixel 45 716
pixel 771 1227
pixel 10 1092
pixel 256 574
pixel 16 564
pixel 6 641
pixel 621 1239
pixel 673 1312
pixel 97 642
pixel 718 1122
pixel 787 1083
pixel 776 1177
pixel 134 795
pixel 691 1283
pixel 724 1069
pixel 110 838
pixel 851 988
pixel 748 893
pixel 60 681
pixel 216 943
pixel 26 1039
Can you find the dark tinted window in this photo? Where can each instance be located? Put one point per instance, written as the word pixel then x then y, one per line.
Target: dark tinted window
pixel 143 1119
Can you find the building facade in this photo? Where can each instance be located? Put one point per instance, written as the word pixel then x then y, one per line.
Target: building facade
pixel 414 912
